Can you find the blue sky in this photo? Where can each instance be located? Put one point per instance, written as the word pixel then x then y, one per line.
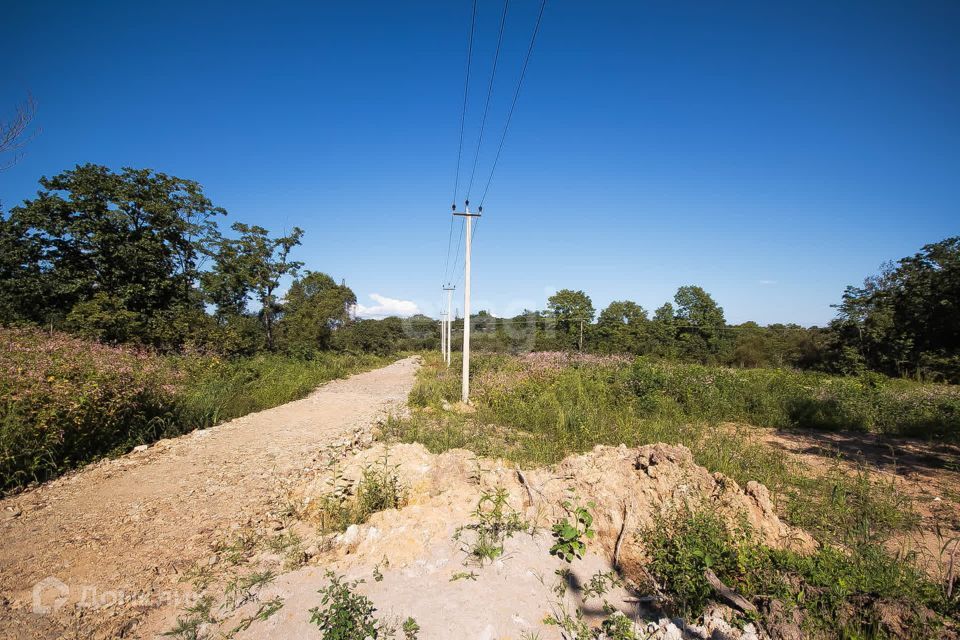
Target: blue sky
pixel 770 153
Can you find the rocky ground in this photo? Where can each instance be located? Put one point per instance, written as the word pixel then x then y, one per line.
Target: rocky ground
pixel 103 552
pixel 226 533
pixel 414 563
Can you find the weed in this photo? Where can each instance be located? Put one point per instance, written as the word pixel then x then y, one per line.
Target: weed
pixel 618 626
pixel 495 521
pixel 238 549
pixel 570 533
pixel 344 614
pixel 190 627
pixel 379 489
pixel 200 576
pixel 243 589
pixel 69 401
pixel 600 583
pixel 282 542
pixel 264 612
pixel 377 574
pixel 410 629
pixel 464 575
pixel 842 587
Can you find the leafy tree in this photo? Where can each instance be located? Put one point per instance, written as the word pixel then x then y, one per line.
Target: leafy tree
pixel 623 328
pixel 369 336
pixel 906 319
pixel 700 322
pixel 251 266
pixel 130 244
pixel 314 307
pixel 572 310
pixel 663 331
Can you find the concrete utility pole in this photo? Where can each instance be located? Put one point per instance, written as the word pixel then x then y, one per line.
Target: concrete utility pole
pixel 465 389
pixel 449 332
pixel 443 335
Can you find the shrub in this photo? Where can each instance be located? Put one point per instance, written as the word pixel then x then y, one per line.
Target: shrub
pixel 379 489
pixel 67 402
pixel 843 588
pixel 344 614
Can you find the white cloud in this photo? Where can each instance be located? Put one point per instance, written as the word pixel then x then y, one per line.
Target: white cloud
pixel 385 307
pixel 767 282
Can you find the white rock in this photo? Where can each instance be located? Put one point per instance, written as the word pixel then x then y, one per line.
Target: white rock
pixel 349 536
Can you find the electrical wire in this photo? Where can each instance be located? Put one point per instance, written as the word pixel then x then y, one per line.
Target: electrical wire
pixel 516 95
pixel 463 117
pixel 486 108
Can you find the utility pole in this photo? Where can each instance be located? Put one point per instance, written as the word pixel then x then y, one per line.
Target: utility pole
pixel 465 389
pixel 443 335
pixel 449 332
pixel 581 335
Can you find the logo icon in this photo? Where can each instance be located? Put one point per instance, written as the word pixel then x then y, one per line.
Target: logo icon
pixel 52 591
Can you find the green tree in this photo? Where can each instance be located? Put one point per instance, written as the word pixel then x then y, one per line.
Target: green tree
pixel 314 307
pixel 251 265
pixel 906 319
pixel 130 244
pixel 572 310
pixel 700 324
pixel 663 332
pixel 623 327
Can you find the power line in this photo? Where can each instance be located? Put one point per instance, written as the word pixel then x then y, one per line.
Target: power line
pixel 516 95
pixel 463 117
pixel 456 257
pixel 466 89
pixel 486 108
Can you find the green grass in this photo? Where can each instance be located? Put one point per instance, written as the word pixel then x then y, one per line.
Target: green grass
pixel 216 390
pixel 841 592
pixel 65 402
pixel 539 408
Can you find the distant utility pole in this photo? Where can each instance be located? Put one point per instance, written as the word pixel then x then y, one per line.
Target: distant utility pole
pixel 449 332
pixel 465 389
pixel 443 335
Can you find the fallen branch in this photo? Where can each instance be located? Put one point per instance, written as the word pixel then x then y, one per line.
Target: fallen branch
pixel 616 547
pixel 728 595
pixel 526 484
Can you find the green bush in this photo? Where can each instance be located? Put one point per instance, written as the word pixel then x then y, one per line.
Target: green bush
pixel 217 389
pixel 841 590
pixel 786 399
pixel 345 614
pixel 67 401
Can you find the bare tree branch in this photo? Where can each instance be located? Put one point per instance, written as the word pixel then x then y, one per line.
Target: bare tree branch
pixel 15 133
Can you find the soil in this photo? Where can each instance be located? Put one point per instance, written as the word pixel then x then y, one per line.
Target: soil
pixel 928 473
pixel 413 564
pixel 117 537
pixel 123 547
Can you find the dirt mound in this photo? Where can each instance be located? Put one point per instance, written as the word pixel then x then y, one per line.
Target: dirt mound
pixel 630 488
pixel 419 560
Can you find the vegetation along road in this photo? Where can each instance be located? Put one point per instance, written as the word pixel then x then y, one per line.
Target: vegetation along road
pixel 119 536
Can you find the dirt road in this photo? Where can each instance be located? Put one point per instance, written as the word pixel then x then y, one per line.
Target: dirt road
pixel 78 551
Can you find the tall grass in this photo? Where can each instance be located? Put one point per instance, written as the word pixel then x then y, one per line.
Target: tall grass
pixel 538 408
pixel 216 389
pixel 65 402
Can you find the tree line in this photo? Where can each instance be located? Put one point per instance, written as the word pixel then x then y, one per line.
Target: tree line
pixel 904 321
pixel 138 256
